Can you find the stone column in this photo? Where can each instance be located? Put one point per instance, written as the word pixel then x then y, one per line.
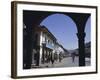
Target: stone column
pixel 81 44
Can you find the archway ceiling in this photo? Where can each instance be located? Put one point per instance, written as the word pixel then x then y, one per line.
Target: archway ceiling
pixel 36 17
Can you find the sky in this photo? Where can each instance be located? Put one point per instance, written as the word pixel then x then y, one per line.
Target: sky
pixel 64 29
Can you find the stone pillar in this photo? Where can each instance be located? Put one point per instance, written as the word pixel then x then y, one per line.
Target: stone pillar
pixel 29 47
pixel 81 44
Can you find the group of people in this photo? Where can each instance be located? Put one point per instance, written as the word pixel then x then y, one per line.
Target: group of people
pixel 52 58
pixel 57 57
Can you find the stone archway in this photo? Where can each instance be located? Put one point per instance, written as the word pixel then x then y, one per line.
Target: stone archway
pixel 33 18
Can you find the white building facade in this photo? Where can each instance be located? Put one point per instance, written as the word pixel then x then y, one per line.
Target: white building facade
pixel 46 46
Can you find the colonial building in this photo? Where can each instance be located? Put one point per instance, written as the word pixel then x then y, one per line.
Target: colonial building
pixel 45 46
pixel 46 42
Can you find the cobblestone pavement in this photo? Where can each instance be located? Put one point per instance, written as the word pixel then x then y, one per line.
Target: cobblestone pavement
pixel 66 62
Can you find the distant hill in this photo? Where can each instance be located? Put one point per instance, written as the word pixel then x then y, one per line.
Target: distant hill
pixel 87 50
pixel 87 45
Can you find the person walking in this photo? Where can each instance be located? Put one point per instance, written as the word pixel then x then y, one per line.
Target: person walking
pixel 52 60
pixel 73 56
pixel 60 57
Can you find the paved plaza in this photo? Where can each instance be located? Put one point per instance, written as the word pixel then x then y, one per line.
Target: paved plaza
pixel 66 62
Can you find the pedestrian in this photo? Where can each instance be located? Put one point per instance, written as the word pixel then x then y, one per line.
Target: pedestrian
pixel 73 56
pixel 52 60
pixel 60 57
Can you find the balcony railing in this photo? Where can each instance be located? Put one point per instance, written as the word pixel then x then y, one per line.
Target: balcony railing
pixel 48 45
